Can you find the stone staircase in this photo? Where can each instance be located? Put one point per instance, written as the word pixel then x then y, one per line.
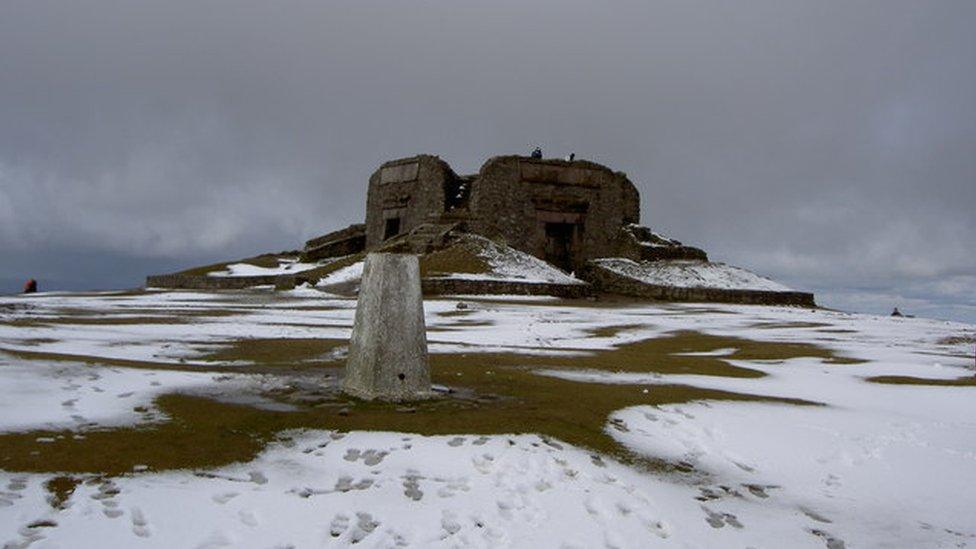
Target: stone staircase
pixel 642 244
pixel 427 237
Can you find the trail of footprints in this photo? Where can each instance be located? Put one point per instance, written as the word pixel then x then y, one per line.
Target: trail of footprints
pixel 515 500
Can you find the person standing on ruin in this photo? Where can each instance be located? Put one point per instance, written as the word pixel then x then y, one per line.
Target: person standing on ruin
pixel 30 286
pixel 537 153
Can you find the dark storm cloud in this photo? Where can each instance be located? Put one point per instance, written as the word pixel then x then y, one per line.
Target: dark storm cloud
pixel 828 144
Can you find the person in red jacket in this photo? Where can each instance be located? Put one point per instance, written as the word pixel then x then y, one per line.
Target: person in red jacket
pixel 30 286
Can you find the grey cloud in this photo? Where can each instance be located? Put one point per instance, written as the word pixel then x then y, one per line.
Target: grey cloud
pixel 828 144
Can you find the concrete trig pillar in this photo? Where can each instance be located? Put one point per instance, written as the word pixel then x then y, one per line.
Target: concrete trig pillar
pixel 388 350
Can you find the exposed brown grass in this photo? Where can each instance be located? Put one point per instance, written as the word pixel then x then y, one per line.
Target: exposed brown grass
pixel 276 351
pixel 454 259
pixel 965 381
pixel 497 393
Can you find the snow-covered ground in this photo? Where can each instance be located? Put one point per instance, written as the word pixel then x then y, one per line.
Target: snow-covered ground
pixel 873 465
pixel 285 266
pixel 505 265
pixel 691 274
pixel 350 273
pixel 514 265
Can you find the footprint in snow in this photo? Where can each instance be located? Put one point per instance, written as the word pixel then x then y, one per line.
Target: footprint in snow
pixel 831 541
pixel 453 486
pixel 224 497
pixel 656 527
pixel 140 526
pixel 450 524
pixel 759 490
pixel 364 527
pixel 815 515
pixel 373 457
pixel 832 480
pixel 505 508
pixel 455 442
pixel 257 477
pixel 339 525
pixel 396 539
pixel 345 484
pixel 369 457
pixel 623 508
pixel 112 513
pixel 594 506
pixel 719 520
pixel 483 463
pixel 247 518
pixel 480 441
pixel 411 486
pixel 316 447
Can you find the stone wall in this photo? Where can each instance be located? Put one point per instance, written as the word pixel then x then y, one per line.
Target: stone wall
pixel 431 286
pixel 408 189
pixel 202 282
pixel 451 286
pixel 348 241
pixel 604 280
pixel 514 197
pixel 350 231
pixel 641 244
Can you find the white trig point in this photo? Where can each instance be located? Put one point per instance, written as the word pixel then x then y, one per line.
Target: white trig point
pixel 388 350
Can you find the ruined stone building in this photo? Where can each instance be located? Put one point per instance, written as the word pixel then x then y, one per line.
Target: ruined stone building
pixel 577 215
pixel 563 212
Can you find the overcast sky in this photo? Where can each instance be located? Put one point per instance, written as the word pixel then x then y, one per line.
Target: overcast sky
pixel 828 144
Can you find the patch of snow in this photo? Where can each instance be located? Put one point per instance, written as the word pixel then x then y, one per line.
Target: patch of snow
pixel 374 489
pixel 350 273
pixel 509 264
pixel 65 395
pixel 691 274
pixel 285 266
pixel 869 474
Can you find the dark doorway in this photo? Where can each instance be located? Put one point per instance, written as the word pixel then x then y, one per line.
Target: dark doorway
pixel 392 228
pixel 560 240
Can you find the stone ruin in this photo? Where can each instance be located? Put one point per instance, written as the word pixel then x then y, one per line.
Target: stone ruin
pixel 563 212
pixel 574 215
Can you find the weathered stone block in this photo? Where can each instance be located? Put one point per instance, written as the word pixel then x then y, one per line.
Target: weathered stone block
pixel 388 350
